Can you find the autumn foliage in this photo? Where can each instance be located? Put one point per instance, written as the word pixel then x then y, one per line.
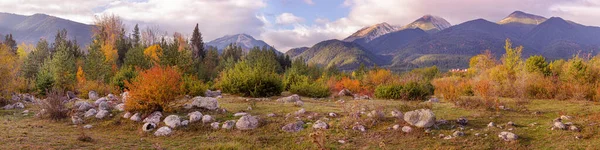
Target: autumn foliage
pixel 154 89
pixel 347 83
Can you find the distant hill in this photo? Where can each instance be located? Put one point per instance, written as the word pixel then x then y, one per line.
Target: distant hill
pixel 367 34
pixel 247 42
pixel 345 55
pixel 30 29
pixel 390 42
pixel 558 38
pixel 296 51
pixel 520 23
pixel 429 24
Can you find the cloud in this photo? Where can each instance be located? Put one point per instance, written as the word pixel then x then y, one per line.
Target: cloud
pixel 310 2
pixel 288 18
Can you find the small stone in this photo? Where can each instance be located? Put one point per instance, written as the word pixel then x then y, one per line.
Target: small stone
pixel 396 127
pixel 172 121
pixel 332 114
pixel 93 95
pixel 240 114
pixel 448 137
pixel 434 100
pixel 508 136
pixel 215 125
pixel 342 141
pixel 185 123
pixel 154 117
pixel 103 106
pixel 397 114
pixel 228 124
pixel 510 123
pixel 19 105
pixel 320 125
pixel 407 129
pixel 102 113
pixel 578 136
pixel 195 116
pixel 462 121
pixel 300 112
pixel 89 126
pixel 477 134
pixel 569 123
pixel 293 127
pixel 127 115
pixel 76 120
pixel 565 117
pixel 249 108
pixel 458 133
pixel 422 118
pixel 376 114
pixel 559 125
pixel 163 131
pixel 90 113
pixel 299 104
pixel 271 115
pixel 359 127
pixel 491 125
pixel 574 128
pixel 120 107
pixel 137 117
pixel 207 119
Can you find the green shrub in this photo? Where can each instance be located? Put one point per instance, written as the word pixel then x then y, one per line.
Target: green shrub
pixel 126 74
pixel 193 87
pixel 248 80
pixel 408 91
pixel 308 89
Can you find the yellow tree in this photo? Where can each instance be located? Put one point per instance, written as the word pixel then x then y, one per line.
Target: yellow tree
pixel 8 69
pixel 154 52
pixel 108 30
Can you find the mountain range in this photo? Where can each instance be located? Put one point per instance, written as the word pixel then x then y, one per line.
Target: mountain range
pixel 427 41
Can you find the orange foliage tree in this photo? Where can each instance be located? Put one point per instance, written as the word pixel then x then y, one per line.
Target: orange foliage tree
pixel 154 89
pixel 375 78
pixel 347 83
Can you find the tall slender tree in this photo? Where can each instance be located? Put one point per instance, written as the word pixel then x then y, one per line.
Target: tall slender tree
pixel 197 44
pixel 136 35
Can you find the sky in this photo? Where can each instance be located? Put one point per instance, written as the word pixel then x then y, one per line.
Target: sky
pixel 287 24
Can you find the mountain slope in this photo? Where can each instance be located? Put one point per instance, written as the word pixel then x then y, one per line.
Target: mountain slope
pixel 247 42
pixel 559 38
pixel 367 34
pixel 30 29
pixel 387 43
pixel 344 55
pixel 429 24
pixel 519 23
pixel 296 51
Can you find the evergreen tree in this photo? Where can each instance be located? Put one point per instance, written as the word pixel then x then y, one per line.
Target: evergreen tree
pixel 211 61
pixel 11 43
pixel 197 44
pixel 135 58
pixel 36 59
pixel 136 35
pixel 123 45
pixel 63 68
pixel 96 67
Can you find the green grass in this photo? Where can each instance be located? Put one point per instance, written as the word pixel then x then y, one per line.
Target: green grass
pixel 27 132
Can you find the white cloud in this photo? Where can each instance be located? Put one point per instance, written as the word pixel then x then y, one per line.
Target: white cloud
pixel 288 18
pixel 310 2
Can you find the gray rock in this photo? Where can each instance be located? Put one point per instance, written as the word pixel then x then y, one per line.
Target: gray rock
pixel 565 117
pixel 89 126
pixel 422 118
pixel 185 123
pixel 100 100
pixel 207 119
pixel 147 127
pixel 9 106
pixel 111 97
pixel 345 92
pixel 247 122
pixel 93 95
pixel 137 117
pixel 127 115
pixel 434 100
pixel 102 113
pixel 397 114
pixel 559 125
pixel 462 121
pixel 376 114
pixel 332 114
pixel 90 113
pixel 205 102
pixel 491 125
pixel 299 104
pixel 458 133
pixel 508 136
pixel 215 125
pixel 124 97
pixel 293 127
pixel 120 107
pixel 359 127
pixel 574 128
pixel 320 125
pixel 195 116
pixel 154 117
pixel 172 121
pixel 396 127
pixel 104 106
pixel 76 120
pixel 71 95
pixel 271 115
pixel 210 93
pixel 510 123
pixel 19 105
pixel 228 124
pixel 290 99
pixel 407 129
pixel 240 114
pixel 163 131
pixel 300 112
pixel 82 106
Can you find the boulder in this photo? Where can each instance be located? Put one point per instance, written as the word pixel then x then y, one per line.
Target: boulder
pixel 407 129
pixel 82 106
pixel 92 95
pixel 19 105
pixel 90 113
pixel 154 117
pixel 422 118
pixel 397 114
pixel 89 126
pixel 111 97
pixel 104 106
pixel 120 107
pixel 76 120
pixel 215 125
pixel 559 125
pixel 9 106
pixel 240 114
pixel 147 127
pixel 508 136
pixel 207 119
pixel 345 92
pixel 205 102
pixel 210 93
pixel 195 116
pixel 228 124
pixel 293 127
pixel 127 115
pixel 102 113
pixel 172 121
pixel 100 100
pixel 290 99
pixel 163 131
pixel 247 122
pixel 320 125
pixel 137 117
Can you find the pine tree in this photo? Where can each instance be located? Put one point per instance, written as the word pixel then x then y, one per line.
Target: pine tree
pixel 63 68
pixel 123 45
pixel 96 67
pixel 35 59
pixel 136 35
pixel 11 43
pixel 197 44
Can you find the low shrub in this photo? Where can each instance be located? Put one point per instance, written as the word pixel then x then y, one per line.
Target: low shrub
pixel 245 80
pixel 350 84
pixel 451 88
pixel 193 87
pixel 54 105
pixel 126 74
pixel 314 89
pixel 408 91
pixel 154 90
